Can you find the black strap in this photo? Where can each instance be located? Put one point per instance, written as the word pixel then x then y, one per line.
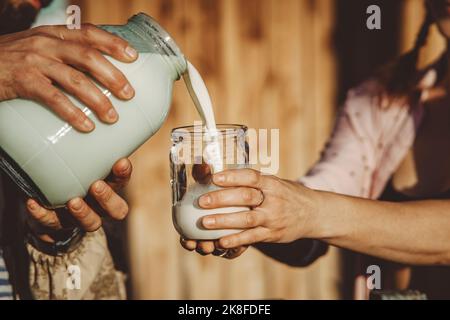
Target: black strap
pixel 61 246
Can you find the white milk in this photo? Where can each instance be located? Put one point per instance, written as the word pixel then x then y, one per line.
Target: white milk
pixel 202 101
pixel 186 213
pixel 200 96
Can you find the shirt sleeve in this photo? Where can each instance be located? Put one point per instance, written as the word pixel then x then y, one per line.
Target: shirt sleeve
pixel 299 253
pixel 349 159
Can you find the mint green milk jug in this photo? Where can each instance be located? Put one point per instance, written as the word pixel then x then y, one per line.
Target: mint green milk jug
pixel 52 162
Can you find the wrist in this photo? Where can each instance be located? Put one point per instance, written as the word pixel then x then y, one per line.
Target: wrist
pixel 310 214
pixel 330 216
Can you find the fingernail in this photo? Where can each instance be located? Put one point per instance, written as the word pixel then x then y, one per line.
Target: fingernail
pixel 209 221
pixel 131 52
pixel 206 200
pixel 127 91
pixel 225 242
pixel 75 204
pixel 88 125
pixel 112 115
pixel 32 205
pixel 219 178
pixel 99 187
pixel 125 169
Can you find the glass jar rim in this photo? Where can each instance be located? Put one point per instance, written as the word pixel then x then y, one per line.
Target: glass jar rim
pixel 222 129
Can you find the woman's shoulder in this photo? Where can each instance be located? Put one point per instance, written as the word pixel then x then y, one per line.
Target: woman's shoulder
pixel 372 113
pixel 369 87
pixel 369 93
pixel 374 92
pixel 363 102
pixel 370 97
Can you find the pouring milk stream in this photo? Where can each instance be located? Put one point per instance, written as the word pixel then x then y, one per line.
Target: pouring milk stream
pixel 186 213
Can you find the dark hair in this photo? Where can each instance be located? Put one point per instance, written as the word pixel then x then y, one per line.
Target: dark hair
pixel 15 17
pixel 400 77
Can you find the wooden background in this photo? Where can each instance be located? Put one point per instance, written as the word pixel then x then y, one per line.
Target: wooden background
pixel 267 64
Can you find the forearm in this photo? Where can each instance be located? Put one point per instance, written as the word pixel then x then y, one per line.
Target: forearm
pixel 410 232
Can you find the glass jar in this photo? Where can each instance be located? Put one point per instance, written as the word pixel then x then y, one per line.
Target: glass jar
pixel 191 170
pixel 52 162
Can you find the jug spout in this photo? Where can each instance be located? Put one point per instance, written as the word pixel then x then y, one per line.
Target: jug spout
pixel 147 36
